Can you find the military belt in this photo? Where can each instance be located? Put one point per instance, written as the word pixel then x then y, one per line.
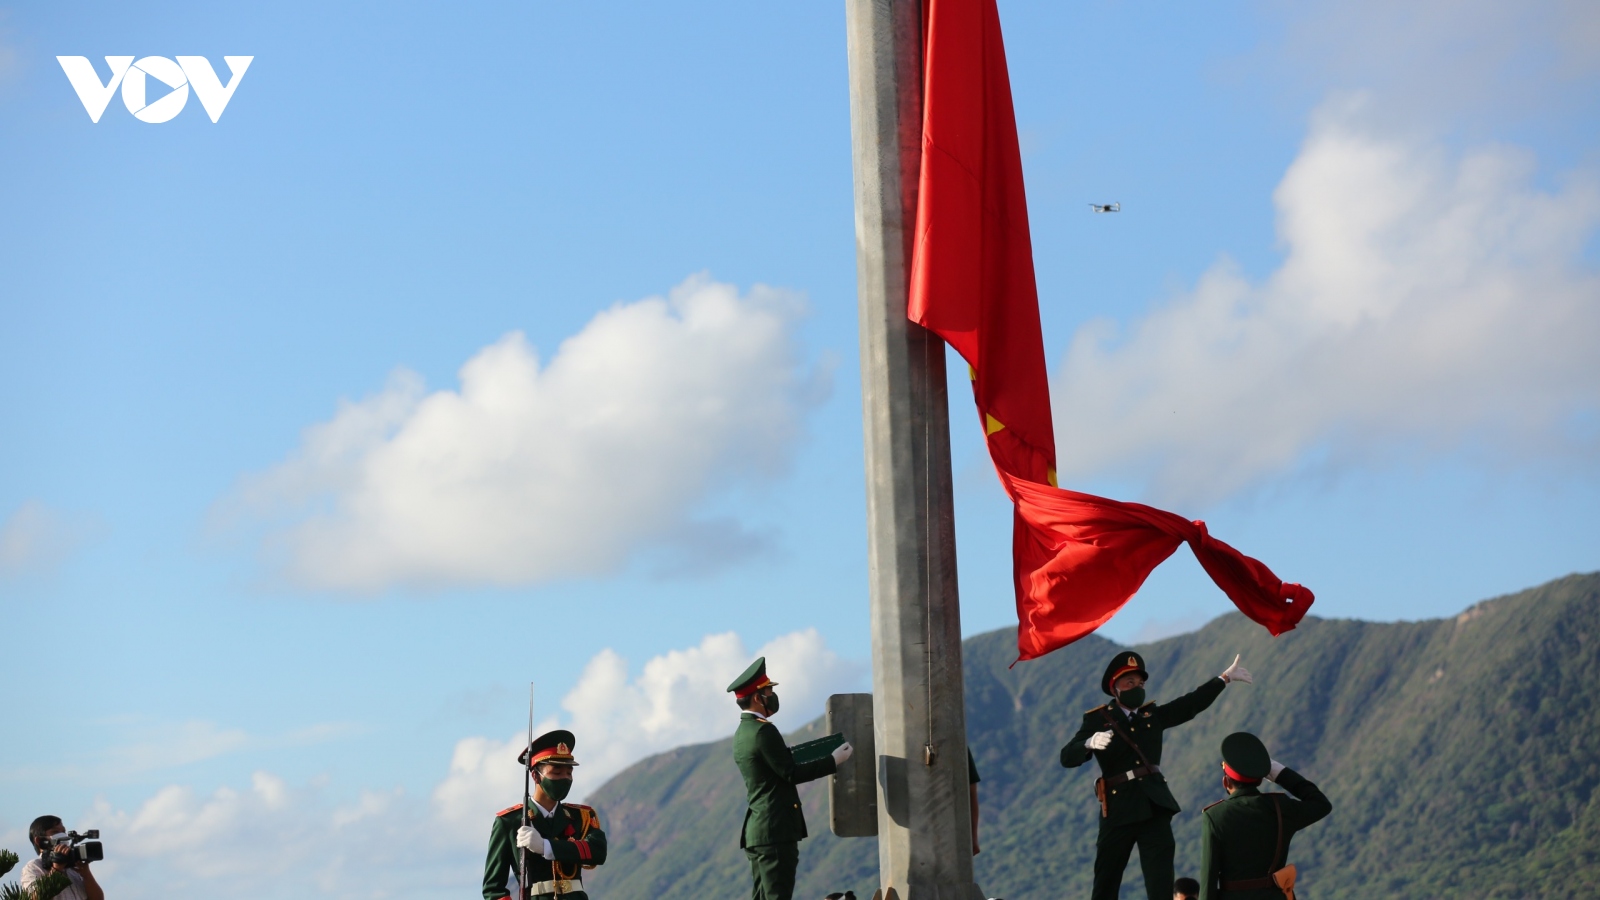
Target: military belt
pixel 1131 774
pixel 557 886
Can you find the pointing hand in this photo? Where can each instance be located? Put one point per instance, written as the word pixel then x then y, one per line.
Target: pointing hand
pixel 1236 672
pixel 1099 741
pixel 842 753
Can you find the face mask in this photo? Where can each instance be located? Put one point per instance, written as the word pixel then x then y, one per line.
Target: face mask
pixel 557 788
pixel 771 702
pixel 1132 698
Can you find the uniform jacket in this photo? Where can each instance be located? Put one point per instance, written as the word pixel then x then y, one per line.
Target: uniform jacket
pixel 770 775
pixel 1239 835
pixel 575 838
pixel 1135 801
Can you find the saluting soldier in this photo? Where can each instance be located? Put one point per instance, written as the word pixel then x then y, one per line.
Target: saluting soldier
pixel 560 841
pixel 1136 807
pixel 1244 840
pixel 773 823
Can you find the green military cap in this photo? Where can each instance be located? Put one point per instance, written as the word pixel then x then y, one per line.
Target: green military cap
pixel 1245 758
pixel 752 679
pixel 550 747
pixel 1120 665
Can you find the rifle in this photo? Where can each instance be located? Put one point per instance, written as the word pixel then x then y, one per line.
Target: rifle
pixel 527 796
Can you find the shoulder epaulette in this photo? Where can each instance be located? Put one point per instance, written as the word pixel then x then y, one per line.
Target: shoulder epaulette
pixel 578 806
pixel 1218 803
pixel 509 809
pixel 1094 709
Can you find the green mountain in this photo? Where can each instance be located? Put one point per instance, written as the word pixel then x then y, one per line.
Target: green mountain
pixel 1461 756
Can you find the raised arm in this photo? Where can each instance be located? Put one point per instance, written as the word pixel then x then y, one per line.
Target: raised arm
pixel 1311 805
pixel 1181 710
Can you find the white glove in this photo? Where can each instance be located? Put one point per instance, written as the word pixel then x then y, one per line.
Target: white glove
pixel 528 839
pixel 1236 672
pixel 842 753
pixel 1099 741
pixel 1277 768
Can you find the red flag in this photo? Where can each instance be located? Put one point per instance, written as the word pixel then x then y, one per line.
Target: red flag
pixel 1076 558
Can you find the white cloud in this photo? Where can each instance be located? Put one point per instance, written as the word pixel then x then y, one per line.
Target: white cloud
pixel 677 698
pixel 530 472
pixel 681 697
pixel 272 839
pixel 484 777
pixel 1426 304
pixel 35 539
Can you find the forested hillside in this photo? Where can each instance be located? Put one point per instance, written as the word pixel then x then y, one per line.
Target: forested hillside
pixel 1461 756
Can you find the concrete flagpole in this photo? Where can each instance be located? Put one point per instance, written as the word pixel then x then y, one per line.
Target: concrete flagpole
pixel 919 720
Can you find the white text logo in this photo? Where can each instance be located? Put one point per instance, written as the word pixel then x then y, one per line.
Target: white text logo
pixel 133 78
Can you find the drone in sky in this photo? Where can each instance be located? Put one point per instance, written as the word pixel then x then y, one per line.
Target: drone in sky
pixel 1106 207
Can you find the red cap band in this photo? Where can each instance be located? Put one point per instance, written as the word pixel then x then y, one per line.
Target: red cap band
pixel 1228 770
pixel 752 687
pixel 560 754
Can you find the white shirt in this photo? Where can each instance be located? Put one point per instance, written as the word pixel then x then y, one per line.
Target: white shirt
pixel 545 814
pixel 35 870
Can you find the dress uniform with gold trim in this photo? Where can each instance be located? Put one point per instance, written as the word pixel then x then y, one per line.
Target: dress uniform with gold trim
pixel 563 840
pixel 1136 806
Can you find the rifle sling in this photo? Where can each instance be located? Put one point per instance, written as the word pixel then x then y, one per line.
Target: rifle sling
pixel 1267 883
pixel 1117 727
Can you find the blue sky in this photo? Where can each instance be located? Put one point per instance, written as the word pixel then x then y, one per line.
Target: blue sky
pixel 272 559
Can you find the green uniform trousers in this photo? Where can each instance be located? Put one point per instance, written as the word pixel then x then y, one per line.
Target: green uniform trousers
pixel 1154 839
pixel 772 869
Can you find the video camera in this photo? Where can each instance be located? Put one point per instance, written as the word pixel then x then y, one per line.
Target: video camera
pixel 70 849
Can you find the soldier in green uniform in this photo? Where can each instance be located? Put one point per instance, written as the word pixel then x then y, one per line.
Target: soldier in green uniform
pixel 1136 807
pixel 773 823
pixel 560 841
pixel 1244 839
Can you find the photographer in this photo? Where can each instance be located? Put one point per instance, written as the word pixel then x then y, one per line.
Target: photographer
pixel 52 858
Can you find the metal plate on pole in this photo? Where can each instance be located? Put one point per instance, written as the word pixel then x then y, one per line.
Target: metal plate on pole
pixel 853 789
